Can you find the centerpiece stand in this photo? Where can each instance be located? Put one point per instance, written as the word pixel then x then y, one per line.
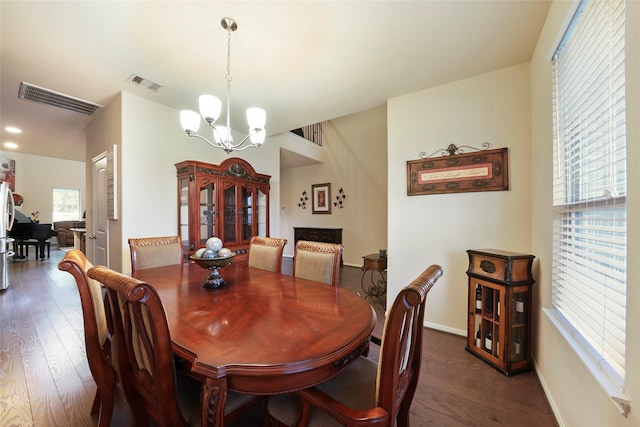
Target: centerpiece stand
pixel 214 281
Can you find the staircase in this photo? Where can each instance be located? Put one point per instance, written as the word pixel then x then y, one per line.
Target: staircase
pixel 311 133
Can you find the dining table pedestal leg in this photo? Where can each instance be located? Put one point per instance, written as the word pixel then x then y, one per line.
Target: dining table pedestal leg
pixel 213 399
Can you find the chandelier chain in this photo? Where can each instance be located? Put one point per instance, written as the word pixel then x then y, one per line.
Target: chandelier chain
pixel 227 142
pixel 228 77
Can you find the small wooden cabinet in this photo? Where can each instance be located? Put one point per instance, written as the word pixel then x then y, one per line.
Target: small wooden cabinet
pixel 499 323
pixel 326 235
pixel 229 201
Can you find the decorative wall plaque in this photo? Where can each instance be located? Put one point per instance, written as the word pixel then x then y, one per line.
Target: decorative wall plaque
pixel 485 170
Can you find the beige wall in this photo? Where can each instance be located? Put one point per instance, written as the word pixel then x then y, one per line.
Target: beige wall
pixel 438 229
pixel 356 149
pixel 150 142
pixel 104 131
pixel 37 176
pixel 577 398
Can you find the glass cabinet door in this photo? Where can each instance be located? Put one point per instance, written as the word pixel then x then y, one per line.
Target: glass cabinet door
pixel 183 211
pixel 262 213
pixel 229 206
pixel 246 200
pixel 206 213
pixel 519 325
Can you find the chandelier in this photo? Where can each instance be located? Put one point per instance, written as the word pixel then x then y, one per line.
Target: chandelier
pixel 210 107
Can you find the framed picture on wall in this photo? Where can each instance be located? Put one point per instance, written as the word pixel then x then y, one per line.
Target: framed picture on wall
pixel 8 172
pixel 321 198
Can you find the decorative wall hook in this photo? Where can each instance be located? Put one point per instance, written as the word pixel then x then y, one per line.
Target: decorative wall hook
pixel 303 200
pixel 339 198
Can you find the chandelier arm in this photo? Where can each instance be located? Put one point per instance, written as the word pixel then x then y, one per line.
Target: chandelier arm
pixel 251 145
pixel 230 147
pixel 213 144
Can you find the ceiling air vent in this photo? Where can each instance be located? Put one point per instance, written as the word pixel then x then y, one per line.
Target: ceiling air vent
pixel 56 99
pixel 142 82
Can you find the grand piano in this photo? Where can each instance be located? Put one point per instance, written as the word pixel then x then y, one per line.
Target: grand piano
pixel 31 233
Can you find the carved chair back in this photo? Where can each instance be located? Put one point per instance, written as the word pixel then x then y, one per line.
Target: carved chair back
pixel 149 252
pixel 401 351
pixel 144 348
pixel 96 335
pixel 318 261
pixel 266 253
pixel 366 393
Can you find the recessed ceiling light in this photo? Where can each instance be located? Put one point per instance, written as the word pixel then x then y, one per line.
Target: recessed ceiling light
pixel 12 129
pixel 10 145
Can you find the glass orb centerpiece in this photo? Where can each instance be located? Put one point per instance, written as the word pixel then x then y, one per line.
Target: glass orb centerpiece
pixel 214 243
pixel 224 252
pixel 214 281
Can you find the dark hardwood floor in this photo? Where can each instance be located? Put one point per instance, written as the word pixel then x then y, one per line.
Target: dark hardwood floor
pixel 45 379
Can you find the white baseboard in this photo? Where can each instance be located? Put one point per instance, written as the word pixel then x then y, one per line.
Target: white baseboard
pixel 545 389
pixel 447 329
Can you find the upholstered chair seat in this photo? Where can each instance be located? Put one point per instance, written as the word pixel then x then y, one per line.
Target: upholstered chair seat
pixel 361 375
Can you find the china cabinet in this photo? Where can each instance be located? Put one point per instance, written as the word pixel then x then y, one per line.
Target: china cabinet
pixel 229 201
pixel 499 303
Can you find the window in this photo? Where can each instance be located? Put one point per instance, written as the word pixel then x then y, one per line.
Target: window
pixel 66 204
pixel 589 186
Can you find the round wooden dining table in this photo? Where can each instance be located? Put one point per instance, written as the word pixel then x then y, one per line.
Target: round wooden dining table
pixel 261 333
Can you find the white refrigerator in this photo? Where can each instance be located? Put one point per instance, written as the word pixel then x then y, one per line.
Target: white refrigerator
pixel 7 214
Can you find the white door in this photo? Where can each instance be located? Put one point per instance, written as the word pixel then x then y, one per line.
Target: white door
pixel 99 236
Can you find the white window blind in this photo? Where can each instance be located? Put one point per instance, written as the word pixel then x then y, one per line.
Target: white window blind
pixel 589 192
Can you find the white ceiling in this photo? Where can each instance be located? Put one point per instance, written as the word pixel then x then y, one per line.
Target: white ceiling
pixel 302 61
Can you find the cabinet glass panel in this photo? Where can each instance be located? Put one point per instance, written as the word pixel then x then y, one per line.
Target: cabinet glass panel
pixel 519 342
pixel 206 212
pixel 488 337
pixel 262 213
pixel 247 213
pixel 183 211
pixel 478 298
pixel 229 232
pixel 519 308
pixel 479 336
pixel 489 298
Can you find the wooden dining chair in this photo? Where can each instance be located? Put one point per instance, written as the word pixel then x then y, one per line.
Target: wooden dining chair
pixel 155 390
pixel 266 253
pixel 318 261
pixel 366 393
pixel 149 252
pixel 96 335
